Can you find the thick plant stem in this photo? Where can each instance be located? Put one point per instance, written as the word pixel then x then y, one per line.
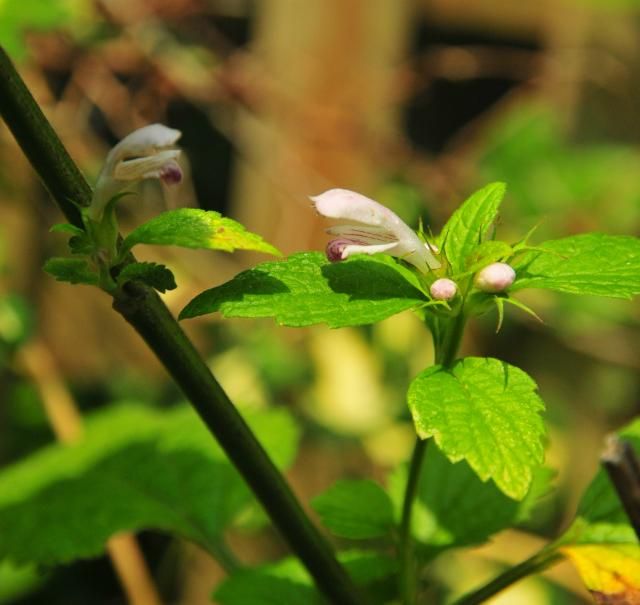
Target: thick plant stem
pixel 446 349
pixel 144 310
pixel 38 140
pixel 535 564
pixel 148 315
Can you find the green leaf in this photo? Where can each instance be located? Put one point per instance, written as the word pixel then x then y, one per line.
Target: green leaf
pixel 287 582
pixel 355 509
pixel 195 228
pixel 154 275
pixel 487 412
pixel 72 270
pixel 135 469
pixel 468 225
pixel 455 508
pixel 591 263
pixel 486 253
pixel 306 289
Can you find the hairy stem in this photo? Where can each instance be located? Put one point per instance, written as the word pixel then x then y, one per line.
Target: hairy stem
pixel 148 315
pixel 535 564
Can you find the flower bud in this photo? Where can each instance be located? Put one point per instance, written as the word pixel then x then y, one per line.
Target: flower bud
pixel 495 277
pixel 443 289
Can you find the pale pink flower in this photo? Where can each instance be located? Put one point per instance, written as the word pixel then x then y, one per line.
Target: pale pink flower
pixel 369 228
pixel 144 154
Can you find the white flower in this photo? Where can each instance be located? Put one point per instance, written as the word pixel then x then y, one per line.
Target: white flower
pixel 495 277
pixel 443 289
pixel 145 153
pixel 370 228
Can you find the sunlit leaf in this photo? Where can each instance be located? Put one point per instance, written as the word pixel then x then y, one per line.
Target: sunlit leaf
pixel 611 573
pixel 591 263
pixel 195 228
pixel 484 411
pixel 469 224
pixel 306 289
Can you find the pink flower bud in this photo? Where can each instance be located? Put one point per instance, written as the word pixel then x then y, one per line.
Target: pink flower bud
pixel 495 278
pixel 443 289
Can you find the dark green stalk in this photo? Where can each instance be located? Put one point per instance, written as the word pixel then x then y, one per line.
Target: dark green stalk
pixel 535 564
pixel 446 341
pixel 38 140
pixel 148 315
pixel 408 581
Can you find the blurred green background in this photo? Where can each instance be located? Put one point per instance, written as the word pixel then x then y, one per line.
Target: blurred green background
pixel 412 102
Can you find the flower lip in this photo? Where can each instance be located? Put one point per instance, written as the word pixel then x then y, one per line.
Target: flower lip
pixel 370 228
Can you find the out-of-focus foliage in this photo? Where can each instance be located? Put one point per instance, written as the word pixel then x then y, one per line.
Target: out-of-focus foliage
pixel 565 186
pixel 340 509
pixel 601 542
pixel 135 469
pixel 288 582
pixel 455 508
pixel 25 16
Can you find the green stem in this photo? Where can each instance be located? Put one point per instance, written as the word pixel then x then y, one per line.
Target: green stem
pixel 408 580
pixel 148 315
pixel 535 564
pixel 447 342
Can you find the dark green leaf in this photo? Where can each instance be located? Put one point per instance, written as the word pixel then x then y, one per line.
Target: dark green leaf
pixel 487 412
pixel 355 509
pixel 469 223
pixel 591 263
pixel 72 270
pixel 154 275
pixel 455 508
pixel 195 228
pixel 306 289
